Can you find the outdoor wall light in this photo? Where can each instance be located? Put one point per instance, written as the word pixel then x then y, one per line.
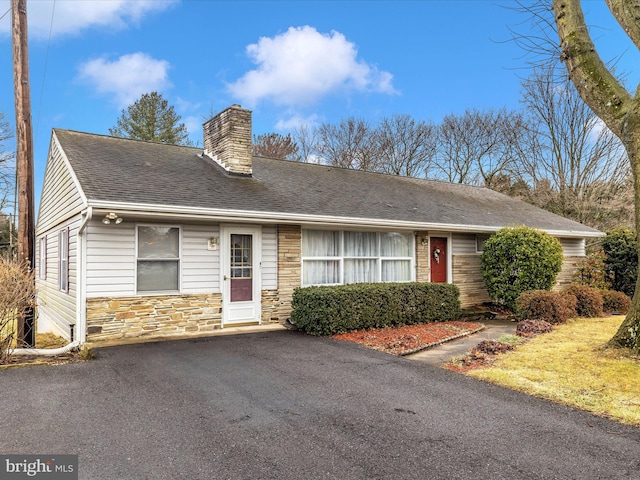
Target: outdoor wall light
pixel 425 241
pixel 111 216
pixel 212 243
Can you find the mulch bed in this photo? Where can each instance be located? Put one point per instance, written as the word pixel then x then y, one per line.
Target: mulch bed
pixel 410 338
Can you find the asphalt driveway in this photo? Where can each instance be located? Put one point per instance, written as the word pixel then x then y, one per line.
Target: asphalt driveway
pixel 283 405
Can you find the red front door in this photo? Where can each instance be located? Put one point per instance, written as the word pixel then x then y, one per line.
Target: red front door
pixel 438 259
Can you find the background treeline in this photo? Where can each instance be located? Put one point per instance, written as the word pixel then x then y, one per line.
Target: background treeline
pixel 554 152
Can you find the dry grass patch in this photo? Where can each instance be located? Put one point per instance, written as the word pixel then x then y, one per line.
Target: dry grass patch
pixel 571 365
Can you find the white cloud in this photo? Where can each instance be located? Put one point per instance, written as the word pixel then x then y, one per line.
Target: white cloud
pixel 127 77
pixel 295 121
pixel 73 16
pixel 302 65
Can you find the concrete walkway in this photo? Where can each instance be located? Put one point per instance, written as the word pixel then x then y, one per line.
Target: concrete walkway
pixel 441 354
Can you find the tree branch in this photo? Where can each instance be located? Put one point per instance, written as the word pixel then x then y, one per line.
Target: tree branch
pixel 627 13
pixel 595 83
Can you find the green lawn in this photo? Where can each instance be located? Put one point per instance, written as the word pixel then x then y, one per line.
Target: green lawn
pixel 572 366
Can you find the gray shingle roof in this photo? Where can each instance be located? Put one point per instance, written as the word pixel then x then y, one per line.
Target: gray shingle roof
pixel 120 170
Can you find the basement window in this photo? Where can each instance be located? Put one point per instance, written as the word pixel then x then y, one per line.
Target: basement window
pixel 480 239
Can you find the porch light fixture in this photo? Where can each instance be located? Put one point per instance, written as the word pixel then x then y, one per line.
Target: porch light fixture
pixel 425 241
pixel 112 216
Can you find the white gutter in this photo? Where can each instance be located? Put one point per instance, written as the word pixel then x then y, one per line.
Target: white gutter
pixel 218 214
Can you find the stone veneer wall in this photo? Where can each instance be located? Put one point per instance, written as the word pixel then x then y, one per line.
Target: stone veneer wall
pixel 565 277
pixel 152 316
pixel 422 258
pixel 467 276
pixel 271 306
pixel 289 266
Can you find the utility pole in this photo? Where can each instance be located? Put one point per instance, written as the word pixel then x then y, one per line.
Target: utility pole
pixel 24 158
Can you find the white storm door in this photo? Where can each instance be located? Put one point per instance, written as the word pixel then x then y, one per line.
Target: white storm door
pixel 240 251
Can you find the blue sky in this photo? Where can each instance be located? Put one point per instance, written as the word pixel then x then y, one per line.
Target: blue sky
pixel 291 62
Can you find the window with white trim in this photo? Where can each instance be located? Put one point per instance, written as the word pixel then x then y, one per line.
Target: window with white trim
pixel 42 259
pixel 63 260
pixel 158 259
pixel 341 257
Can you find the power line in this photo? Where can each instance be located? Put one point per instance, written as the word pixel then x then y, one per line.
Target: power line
pixel 44 73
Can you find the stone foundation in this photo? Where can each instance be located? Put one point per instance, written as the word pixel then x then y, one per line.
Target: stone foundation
pixel 154 316
pixel 271 306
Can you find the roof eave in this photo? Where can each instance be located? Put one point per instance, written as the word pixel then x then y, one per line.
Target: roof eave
pixel 169 212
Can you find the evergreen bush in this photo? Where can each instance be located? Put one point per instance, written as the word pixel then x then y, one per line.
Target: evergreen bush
pixel 621 248
pixel 518 259
pixel 339 309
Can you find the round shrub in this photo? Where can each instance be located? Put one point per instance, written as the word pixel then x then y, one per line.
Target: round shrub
pixel 552 307
pixel 591 271
pixel 589 300
pixel 518 259
pixel 531 328
pixel 621 248
pixel 613 301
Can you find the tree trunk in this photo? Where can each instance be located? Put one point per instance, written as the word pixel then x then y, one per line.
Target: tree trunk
pixel 628 335
pixel 615 106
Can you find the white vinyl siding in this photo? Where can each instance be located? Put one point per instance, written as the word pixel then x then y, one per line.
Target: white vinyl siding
pixel 269 258
pixel 55 307
pixel 111 260
pixel 61 198
pixel 573 247
pixel 200 266
pixel 463 244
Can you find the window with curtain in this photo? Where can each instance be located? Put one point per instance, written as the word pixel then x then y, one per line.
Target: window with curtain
pixel 336 257
pixel 158 259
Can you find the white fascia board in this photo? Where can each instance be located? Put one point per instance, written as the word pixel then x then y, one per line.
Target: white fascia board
pixel 169 212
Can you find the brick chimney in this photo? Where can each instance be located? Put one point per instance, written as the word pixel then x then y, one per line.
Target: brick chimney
pixel 227 139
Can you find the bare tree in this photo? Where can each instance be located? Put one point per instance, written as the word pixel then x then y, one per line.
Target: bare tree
pixel 7 171
pixel 475 147
pixel 573 161
pixel 306 137
pixel 611 101
pixel 348 144
pixel 274 145
pixel 405 146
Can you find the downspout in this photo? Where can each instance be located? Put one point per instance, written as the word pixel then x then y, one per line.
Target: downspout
pixel 45 352
pixel 81 288
pixel 80 300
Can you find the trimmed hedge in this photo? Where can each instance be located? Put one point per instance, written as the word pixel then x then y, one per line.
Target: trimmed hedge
pixel 613 301
pixel 589 300
pixel 552 307
pixel 340 309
